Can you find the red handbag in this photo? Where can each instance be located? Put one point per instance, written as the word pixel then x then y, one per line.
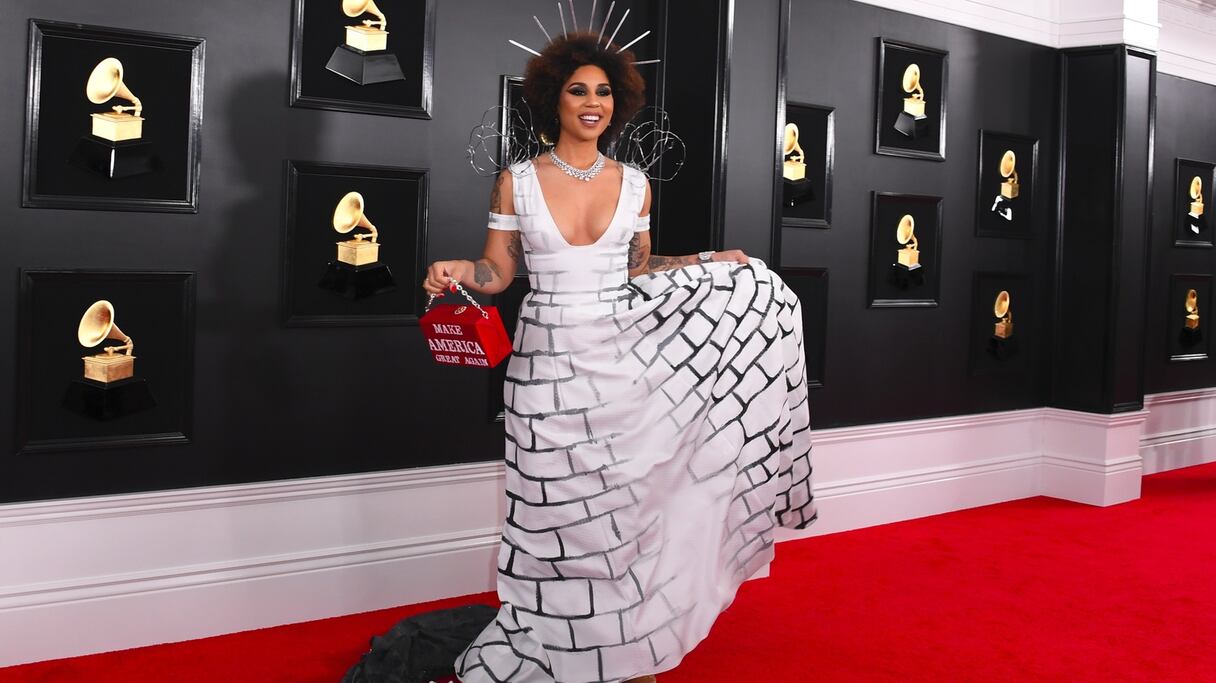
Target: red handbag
pixel 460 334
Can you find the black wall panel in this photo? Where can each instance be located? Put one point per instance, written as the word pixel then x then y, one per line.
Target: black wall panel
pixel 693 81
pixel 1127 389
pixel 272 402
pixel 898 364
pixel 1186 129
pixel 1084 291
pixel 1107 100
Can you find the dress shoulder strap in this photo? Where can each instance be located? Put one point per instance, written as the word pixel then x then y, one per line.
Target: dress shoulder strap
pixel 523 180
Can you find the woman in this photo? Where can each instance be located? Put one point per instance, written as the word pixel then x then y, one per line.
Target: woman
pixel 656 417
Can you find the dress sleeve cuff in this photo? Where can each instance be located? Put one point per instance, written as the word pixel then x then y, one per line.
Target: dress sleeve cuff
pixel 499 221
pixel 642 223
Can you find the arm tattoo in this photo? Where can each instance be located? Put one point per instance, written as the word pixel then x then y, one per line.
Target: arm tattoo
pixel 484 271
pixel 637 255
pixel 657 263
pixel 515 248
pixel 496 195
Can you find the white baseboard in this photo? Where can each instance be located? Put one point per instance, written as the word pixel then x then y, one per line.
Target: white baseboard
pixel 883 501
pixel 1092 459
pixel 1181 430
pixel 113 572
pixel 877 474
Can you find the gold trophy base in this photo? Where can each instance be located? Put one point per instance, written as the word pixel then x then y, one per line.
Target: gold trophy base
pixel 358 252
pixel 794 170
pixel 366 38
pixel 108 367
pixel 1196 209
pixel 909 258
pixel 117 126
pixel 1009 190
pixel 1003 330
pixel 914 106
pixel 1192 322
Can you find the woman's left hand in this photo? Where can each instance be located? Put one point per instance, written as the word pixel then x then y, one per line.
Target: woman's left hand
pixel 736 255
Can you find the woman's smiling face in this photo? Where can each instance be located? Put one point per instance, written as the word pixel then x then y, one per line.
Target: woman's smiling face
pixel 585 108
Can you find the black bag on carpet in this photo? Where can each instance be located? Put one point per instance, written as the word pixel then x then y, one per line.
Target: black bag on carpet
pixel 422 648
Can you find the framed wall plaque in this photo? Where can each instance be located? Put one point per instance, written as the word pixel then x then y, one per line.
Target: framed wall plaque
pixel 1186 322
pixel 75 394
pixel 113 119
pixel 1193 203
pixel 1005 185
pixel 905 250
pixel 1002 321
pixel 378 59
pixel 911 101
pixel 354 241
pixel 811 286
pixel 807 153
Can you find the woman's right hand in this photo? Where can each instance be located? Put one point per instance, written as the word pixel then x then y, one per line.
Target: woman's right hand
pixel 439 274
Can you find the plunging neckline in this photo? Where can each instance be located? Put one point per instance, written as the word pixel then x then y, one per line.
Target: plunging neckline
pixel 620 199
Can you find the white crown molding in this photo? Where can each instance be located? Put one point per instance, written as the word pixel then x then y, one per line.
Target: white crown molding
pixel 1020 22
pixel 1182 32
pixel 1197 6
pixel 1064 23
pixel 1188 41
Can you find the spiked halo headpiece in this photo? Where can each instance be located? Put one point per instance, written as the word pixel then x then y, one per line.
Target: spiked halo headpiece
pixel 505 137
pixel 590 27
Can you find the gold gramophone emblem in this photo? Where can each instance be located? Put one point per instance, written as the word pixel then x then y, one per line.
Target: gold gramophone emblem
pixel 1196 193
pixel 349 215
pixel 1009 171
pixel 909 256
pixel 104 84
pixel 914 104
pixel 795 160
pixel 370 35
pixel 96 326
pixel 1004 323
pixel 1192 309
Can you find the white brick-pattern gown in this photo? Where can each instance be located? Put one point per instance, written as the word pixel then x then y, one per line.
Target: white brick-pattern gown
pixel 657 432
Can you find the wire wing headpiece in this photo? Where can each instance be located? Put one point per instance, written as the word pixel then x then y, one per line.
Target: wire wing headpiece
pixel 505 139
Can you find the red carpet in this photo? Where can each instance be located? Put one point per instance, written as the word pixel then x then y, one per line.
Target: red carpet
pixel 1032 590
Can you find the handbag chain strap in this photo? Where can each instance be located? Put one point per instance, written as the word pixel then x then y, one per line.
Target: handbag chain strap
pixel 431 299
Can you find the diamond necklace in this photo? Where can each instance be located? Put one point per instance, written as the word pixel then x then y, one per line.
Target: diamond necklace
pixel 579 173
